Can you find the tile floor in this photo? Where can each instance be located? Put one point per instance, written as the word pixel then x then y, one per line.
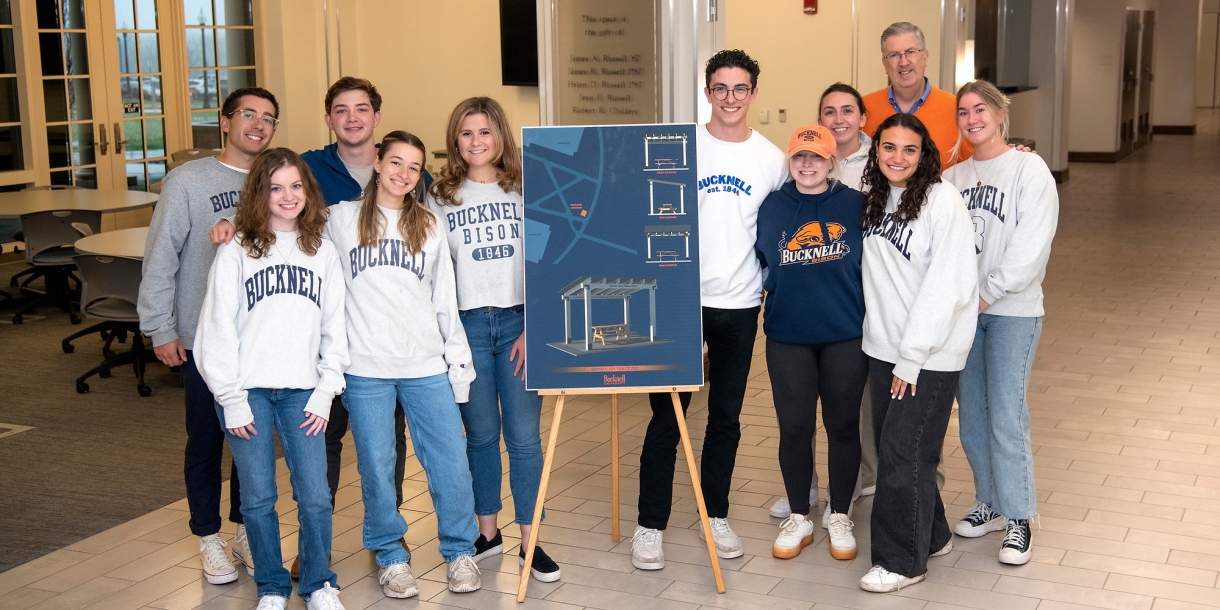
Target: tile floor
pixel 1124 401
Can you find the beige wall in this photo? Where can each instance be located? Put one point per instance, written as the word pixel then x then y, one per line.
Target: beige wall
pixel 1097 45
pixel 424 57
pixel 1173 93
pixel 802 54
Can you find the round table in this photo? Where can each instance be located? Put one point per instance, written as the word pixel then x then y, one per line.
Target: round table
pixel 127 243
pixel 17 203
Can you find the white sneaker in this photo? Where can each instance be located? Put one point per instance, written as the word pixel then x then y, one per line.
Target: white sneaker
pixel 397 581
pixel 326 598
pixel 728 545
pixel 216 566
pixel 881 580
pixel 272 602
pixel 944 550
pixel 868 491
pixel 241 549
pixel 795 533
pixel 464 575
pixel 782 508
pixel 980 521
pixel 842 541
pixel 826 514
pixel 646 552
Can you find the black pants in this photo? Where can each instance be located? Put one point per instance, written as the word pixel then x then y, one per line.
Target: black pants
pixel 908 522
pixel 729 334
pixel 336 428
pixel 799 375
pixel 205 443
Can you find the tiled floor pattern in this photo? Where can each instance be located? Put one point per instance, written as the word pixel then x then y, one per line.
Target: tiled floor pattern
pixel 1124 403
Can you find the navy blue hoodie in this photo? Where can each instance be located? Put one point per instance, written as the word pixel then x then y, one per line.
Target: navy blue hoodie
pixel 330 172
pixel 811 246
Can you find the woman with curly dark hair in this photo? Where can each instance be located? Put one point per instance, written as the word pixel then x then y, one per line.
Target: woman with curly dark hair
pixel 920 296
pixel 272 347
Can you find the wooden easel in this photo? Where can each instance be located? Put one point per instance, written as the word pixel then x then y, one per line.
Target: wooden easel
pixel 614 509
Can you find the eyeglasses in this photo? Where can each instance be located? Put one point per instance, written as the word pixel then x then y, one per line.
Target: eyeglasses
pixel 740 92
pixel 909 54
pixel 249 116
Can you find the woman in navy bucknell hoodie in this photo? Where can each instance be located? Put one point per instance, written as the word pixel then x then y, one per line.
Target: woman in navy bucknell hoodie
pixel 810 242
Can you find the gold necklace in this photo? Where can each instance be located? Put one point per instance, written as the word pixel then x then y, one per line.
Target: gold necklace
pixel 975 166
pixel 292 250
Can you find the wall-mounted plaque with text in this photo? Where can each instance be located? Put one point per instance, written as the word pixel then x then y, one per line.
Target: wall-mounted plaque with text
pixel 606 62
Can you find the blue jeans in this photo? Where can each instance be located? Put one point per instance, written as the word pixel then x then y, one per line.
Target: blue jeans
pixel 498 400
pixel 994 416
pixel 436 432
pixel 284 410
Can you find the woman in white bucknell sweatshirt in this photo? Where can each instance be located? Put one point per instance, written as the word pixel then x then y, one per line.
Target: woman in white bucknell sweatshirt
pixel 1011 197
pixel 406 342
pixel 920 299
pixel 272 346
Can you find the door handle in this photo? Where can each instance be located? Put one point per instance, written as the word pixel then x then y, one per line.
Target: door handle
pixel 118 138
pixel 103 142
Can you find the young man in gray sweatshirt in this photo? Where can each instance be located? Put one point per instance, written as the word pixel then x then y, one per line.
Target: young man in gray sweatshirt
pixel 177 259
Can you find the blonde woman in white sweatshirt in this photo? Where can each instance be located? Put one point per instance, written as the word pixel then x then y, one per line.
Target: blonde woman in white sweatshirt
pixel 272 346
pixel 920 296
pixel 1011 197
pixel 406 342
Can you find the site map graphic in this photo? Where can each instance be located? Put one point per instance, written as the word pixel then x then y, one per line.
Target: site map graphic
pixel 611 249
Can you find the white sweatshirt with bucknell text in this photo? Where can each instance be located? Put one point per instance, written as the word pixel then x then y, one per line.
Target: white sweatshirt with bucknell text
pixel 921 286
pixel 734 179
pixel 402 313
pixel 1015 213
pixel 274 322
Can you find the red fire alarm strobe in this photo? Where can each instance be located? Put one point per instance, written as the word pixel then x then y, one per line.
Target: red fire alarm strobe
pixel 811 7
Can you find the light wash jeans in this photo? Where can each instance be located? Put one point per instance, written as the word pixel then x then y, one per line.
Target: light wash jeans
pixel 994 416
pixel 284 410
pixel 499 401
pixel 436 433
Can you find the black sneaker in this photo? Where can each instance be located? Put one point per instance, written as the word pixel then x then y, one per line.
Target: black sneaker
pixel 544 569
pixel 484 548
pixel 979 521
pixel 1018 543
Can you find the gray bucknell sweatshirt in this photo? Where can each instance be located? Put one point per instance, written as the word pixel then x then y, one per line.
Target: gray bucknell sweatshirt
pixel 1015 212
pixel 179 253
pixel 921 286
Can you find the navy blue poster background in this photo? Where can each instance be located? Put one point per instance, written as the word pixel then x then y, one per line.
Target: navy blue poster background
pixel 611 222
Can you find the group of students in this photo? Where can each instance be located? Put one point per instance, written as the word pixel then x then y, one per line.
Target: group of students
pixel 876 270
pixel 343 292
pixel 902 268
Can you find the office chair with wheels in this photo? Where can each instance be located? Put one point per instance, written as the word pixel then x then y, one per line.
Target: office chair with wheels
pixel 109 291
pixel 32 273
pixel 49 239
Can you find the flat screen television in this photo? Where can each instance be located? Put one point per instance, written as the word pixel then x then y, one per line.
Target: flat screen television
pixel 519 43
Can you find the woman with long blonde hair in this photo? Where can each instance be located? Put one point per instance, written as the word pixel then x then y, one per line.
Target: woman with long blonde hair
pixel 406 343
pixel 1012 201
pixel 477 196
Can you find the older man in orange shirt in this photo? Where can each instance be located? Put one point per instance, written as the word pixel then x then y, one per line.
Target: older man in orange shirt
pixel 905 56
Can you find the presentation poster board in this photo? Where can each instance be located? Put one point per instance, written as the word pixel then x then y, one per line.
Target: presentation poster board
pixel 612 257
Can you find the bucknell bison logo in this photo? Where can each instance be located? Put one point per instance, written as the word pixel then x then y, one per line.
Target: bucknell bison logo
pixel 811 235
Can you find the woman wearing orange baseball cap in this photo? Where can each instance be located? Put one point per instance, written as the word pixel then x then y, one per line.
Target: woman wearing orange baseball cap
pixel 809 240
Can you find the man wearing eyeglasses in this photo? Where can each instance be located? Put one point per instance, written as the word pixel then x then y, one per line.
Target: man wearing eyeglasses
pixel 177 259
pixel 905 56
pixel 737 168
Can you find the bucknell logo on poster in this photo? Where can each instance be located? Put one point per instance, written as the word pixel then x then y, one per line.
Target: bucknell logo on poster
pixel 615 379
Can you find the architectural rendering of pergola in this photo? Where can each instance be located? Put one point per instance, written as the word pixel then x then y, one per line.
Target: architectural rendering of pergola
pixel 653 165
pixel 588 289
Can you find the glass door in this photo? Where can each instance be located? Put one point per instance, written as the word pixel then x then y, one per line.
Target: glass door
pixel 143 127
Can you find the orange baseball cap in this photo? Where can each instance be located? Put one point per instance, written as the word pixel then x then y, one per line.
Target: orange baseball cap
pixel 813 138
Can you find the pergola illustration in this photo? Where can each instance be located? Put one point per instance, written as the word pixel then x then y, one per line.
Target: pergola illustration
pixel 661 164
pixel 667 208
pixel 668 256
pixel 588 289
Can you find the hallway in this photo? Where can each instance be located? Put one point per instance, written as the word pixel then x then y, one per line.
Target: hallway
pixel 1124 400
